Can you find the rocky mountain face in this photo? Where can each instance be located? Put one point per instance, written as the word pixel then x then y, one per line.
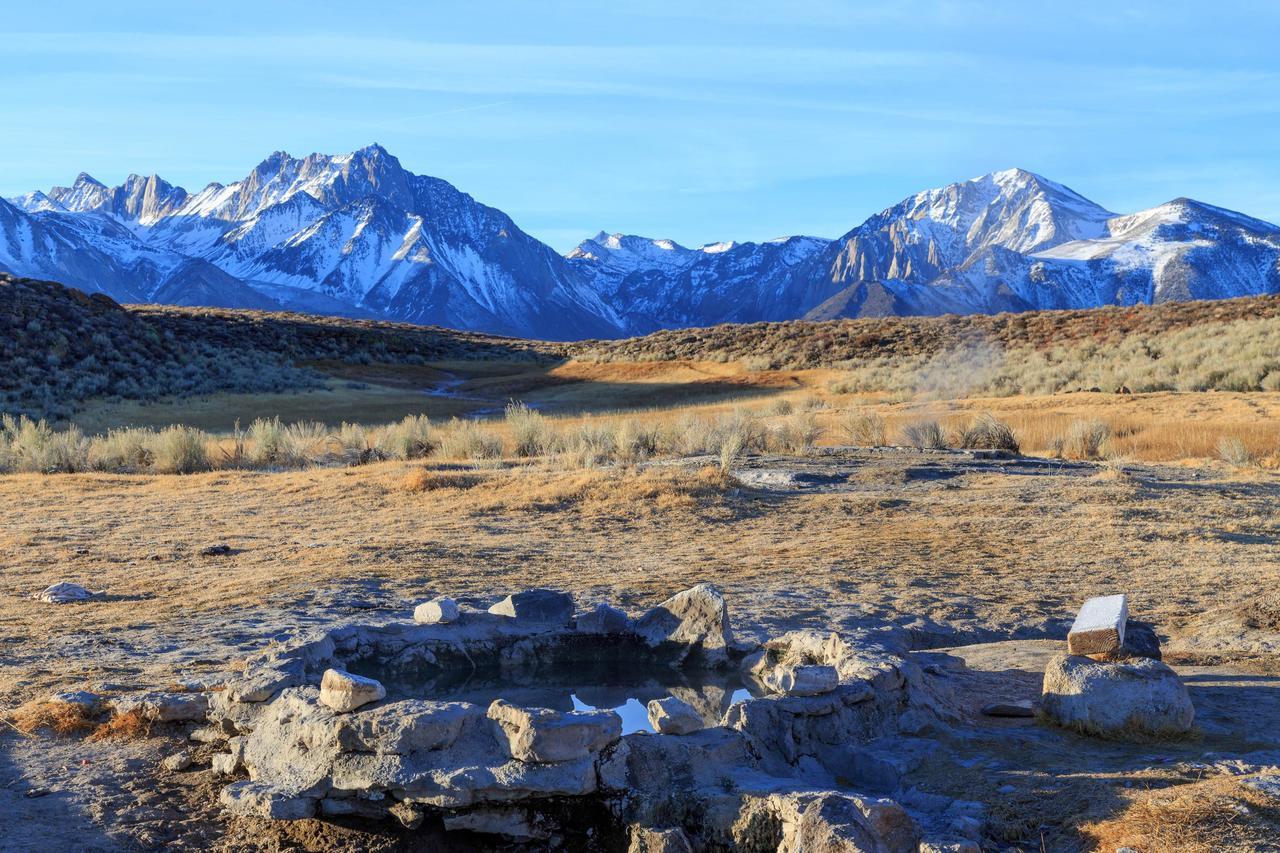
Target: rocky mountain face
pixel 359 235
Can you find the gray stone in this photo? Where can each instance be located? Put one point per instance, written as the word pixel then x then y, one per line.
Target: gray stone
pixel 543 606
pixel 604 619
pixel 343 691
pixel 257 799
pixel 86 701
pixel 437 611
pixel 672 716
pixel 697 619
pixel 177 761
pixel 1141 697
pixel 542 735
pixel 1099 626
pixel 64 593
pixel 414 725
pixel 808 680
pixel 164 707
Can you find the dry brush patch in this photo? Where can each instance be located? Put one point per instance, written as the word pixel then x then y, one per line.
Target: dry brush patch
pixel 1215 815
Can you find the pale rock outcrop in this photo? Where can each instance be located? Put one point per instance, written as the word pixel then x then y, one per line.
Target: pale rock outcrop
pixel 825 821
pixel 343 691
pixel 542 735
pixel 1141 697
pixel 544 606
pixel 437 611
pixel 255 799
pixel 64 593
pixel 810 680
pixel 164 707
pixel 696 619
pixel 672 716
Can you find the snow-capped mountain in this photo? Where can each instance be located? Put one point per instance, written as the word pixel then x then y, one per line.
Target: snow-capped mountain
pixel 659 284
pixel 1014 241
pixel 358 234
pixel 354 233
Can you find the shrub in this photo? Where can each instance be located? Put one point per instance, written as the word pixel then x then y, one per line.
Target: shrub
pixel 1234 452
pixel 926 435
pixel 529 430
pixel 35 447
pixel 864 428
pixel 637 441
pixel 797 435
pixel 413 437
pixel 780 408
pixel 180 450
pixel 1083 440
pixel 469 440
pixel 267 436
pixel 122 450
pixel 986 432
pixel 302 443
pixel 588 446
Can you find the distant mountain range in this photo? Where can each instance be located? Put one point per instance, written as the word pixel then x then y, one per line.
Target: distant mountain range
pixel 358 235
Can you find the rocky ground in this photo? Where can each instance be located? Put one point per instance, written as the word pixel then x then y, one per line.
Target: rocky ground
pixel 962 559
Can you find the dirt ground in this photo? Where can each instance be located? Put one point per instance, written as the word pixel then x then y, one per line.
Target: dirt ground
pixel 948 550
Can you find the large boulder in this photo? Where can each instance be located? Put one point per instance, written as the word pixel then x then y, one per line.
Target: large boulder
pixel 672 716
pixel 695 621
pixel 543 735
pixel 1139 697
pixel 343 691
pixel 542 606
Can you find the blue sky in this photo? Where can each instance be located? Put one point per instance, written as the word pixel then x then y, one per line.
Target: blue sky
pixel 698 121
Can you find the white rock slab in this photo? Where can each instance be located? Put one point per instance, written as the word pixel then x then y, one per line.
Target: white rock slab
pixel 1099 626
pixel 63 593
pixel 343 691
pixel 437 611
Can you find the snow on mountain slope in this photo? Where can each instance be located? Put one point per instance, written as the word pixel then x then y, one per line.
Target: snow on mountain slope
pixel 358 234
pixel 356 228
pixel 656 284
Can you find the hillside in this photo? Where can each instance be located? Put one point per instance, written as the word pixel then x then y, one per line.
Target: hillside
pixel 62 347
pixel 65 347
pixel 804 344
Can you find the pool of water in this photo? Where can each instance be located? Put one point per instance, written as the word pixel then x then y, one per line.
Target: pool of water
pixel 580 687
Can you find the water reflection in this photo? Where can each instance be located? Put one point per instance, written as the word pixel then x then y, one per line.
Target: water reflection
pixel 577 687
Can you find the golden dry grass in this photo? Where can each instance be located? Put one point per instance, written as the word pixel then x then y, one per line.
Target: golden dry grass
pixel 131 725
pixel 985 548
pixel 1216 815
pixel 60 718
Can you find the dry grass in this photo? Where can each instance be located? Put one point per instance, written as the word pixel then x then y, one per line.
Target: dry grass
pixel 427 480
pixel 131 725
pixel 621 493
pixel 1207 817
pixel 60 718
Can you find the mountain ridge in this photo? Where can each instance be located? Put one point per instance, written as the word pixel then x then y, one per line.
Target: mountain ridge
pixel 360 235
